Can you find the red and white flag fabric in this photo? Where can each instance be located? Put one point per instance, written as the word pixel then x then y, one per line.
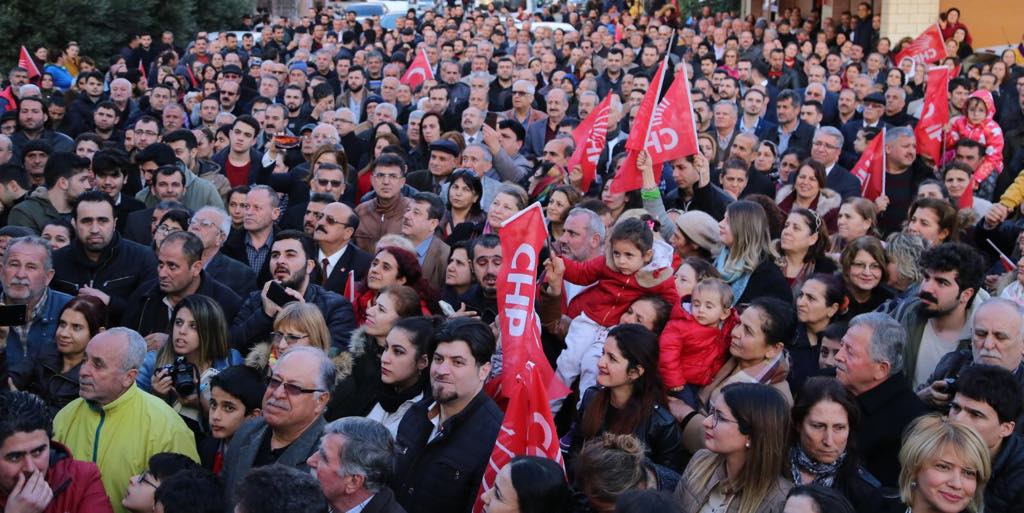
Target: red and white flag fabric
pixel 350 287
pixel 926 48
pixel 870 169
pixel 25 61
pixel 418 72
pixel 665 127
pixel 527 380
pixel 142 70
pixel 1007 264
pixel 930 130
pixel 592 132
pixel 967 198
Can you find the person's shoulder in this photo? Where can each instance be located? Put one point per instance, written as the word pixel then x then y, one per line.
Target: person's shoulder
pixel 66 414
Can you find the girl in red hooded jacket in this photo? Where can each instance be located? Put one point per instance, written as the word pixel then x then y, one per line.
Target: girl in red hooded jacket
pixel 630 269
pixel 978 125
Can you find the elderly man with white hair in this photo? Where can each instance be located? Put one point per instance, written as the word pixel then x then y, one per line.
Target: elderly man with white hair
pixel 213 225
pixel 539 134
pixel 114 423
pixel 292 423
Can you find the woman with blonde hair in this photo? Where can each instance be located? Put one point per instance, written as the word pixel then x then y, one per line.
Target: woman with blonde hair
pixel 297 324
pixel 747 262
pixel 741 468
pixel 945 466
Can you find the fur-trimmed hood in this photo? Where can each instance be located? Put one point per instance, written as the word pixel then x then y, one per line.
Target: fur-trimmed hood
pixel 259 359
pixel 828 200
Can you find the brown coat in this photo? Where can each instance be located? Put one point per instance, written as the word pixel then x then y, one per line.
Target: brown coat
pixel 692 495
pixel 376 222
pixel 533 117
pixel 435 262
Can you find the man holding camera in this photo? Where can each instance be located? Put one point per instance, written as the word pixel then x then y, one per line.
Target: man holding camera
pixel 291 262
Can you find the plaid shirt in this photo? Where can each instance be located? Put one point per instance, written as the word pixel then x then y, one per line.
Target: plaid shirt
pixel 257 256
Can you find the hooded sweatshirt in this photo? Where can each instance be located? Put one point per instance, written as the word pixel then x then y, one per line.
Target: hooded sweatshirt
pixel 987 133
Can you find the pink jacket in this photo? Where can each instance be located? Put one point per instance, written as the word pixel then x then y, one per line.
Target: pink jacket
pixel 987 132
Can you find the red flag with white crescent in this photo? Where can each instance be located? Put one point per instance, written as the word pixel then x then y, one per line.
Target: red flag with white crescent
pixel 930 130
pixel 418 72
pixel 870 169
pixel 25 61
pixel 592 132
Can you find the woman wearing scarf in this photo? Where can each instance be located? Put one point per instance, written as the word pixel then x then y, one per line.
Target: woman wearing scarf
pixel 747 262
pixel 822 449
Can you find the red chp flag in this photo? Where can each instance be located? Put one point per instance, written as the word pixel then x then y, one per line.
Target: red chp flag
pixel 527 380
pixel 928 47
pixel 666 129
pixel 592 132
pixel 967 198
pixel 929 132
pixel 870 169
pixel 350 287
pixel 25 61
pixel 418 72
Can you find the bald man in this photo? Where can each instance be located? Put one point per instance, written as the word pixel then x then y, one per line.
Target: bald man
pixel 337 256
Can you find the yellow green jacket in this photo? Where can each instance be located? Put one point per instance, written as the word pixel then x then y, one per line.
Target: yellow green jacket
pixel 121 436
pixel 1014 194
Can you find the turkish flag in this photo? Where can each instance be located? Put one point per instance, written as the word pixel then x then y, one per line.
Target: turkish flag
pixel 527 380
pixel 592 131
pixel 1007 264
pixel 927 47
pixel 418 72
pixel 350 287
pixel 870 169
pixel 25 61
pixel 929 132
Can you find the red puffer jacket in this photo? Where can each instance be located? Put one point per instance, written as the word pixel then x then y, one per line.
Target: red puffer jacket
pixel 606 301
pixel 76 485
pixel 691 354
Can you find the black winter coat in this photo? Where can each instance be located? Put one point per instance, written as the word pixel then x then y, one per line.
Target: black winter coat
pixel 659 432
pixel 766 280
pixel 252 325
pixel 146 312
pixel 121 270
pixel 42 375
pixel 443 475
pixel 1005 491
pixel 886 410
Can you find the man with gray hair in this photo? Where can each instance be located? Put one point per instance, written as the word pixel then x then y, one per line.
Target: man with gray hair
pixel 827 148
pixel 522 109
pixel 870 364
pixel 213 225
pixel 386 113
pixel 114 423
pixel 354 465
pixel 539 134
pixel 292 422
pixel 27 271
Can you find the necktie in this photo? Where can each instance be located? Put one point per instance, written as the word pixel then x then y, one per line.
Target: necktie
pixel 323 272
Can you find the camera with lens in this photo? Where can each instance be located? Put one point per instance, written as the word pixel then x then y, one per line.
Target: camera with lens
pixel 183 376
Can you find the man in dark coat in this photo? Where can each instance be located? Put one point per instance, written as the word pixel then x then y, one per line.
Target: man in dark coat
pixel 179 274
pixel 442 473
pixel 99 262
pixel 886 402
pixel 365 448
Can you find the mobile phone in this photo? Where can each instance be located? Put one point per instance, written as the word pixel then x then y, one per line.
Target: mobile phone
pixel 446 308
pixel 13 315
pixel 277 294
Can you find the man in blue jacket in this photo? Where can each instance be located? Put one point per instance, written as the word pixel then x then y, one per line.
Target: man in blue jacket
pixel 27 271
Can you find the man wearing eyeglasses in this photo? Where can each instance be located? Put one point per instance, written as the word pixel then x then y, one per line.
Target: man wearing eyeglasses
pixel 337 256
pixel 827 148
pixel 289 431
pixel 382 214
pixel 212 225
pixel 141 494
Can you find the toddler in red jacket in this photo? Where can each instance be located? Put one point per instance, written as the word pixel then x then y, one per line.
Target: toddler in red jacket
pixel 695 343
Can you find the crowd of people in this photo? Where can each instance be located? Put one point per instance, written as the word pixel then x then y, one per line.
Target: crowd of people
pixel 258 272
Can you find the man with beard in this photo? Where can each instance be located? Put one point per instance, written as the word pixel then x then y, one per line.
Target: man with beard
pixel 105 119
pixel 32 117
pixel 938 321
pixel 355 92
pixel 337 255
pixel 499 95
pixel 99 262
pixel 298 111
pixel 179 274
pixel 67 177
pixel 291 258
pixel 465 416
pixel 485 257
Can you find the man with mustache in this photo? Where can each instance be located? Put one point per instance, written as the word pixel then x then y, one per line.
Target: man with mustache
pixel 27 271
pixel 337 255
pixel 870 364
pixel 428 467
pixel 997 338
pixel 938 320
pixel 291 262
pixel 289 430
pixel 485 257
